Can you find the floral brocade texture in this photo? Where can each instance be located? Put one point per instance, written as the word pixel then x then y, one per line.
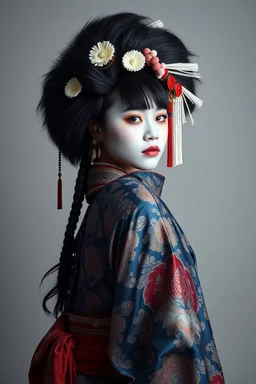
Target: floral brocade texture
pixel 137 266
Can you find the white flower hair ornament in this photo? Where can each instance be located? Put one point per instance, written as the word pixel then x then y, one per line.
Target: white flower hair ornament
pixel 133 61
pixel 73 88
pixel 156 24
pixel 177 95
pixel 102 54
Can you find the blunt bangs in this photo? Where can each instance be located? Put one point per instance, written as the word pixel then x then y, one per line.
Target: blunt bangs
pixel 141 91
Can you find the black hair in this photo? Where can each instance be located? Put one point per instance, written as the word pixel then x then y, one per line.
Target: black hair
pixel 66 119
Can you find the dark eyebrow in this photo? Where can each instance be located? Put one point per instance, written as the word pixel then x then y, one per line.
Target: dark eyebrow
pixel 135 109
pixel 140 109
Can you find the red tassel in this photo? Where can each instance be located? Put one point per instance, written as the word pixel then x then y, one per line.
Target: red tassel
pixel 170 136
pixel 59 195
pixel 59 204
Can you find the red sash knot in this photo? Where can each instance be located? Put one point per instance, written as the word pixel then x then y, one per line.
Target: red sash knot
pixel 74 344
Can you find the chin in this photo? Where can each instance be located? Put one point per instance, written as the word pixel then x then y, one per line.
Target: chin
pixel 143 165
pixel 146 167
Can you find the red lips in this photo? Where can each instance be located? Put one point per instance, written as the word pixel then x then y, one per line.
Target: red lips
pixel 153 148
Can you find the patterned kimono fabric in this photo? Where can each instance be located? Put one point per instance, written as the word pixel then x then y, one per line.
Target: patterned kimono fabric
pixel 138 313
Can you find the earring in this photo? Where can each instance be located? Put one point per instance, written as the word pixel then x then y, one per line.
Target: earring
pixel 96 152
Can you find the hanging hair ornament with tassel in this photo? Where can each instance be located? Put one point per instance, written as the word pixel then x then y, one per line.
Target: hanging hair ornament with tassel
pixel 177 97
pixel 59 193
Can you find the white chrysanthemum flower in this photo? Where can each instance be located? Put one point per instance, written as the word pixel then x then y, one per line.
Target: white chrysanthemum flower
pixel 102 53
pixel 73 87
pixel 133 61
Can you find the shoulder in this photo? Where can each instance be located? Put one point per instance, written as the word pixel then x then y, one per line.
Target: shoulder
pixel 127 199
pixel 129 187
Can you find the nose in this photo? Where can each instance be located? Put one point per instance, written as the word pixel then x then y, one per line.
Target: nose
pixel 151 130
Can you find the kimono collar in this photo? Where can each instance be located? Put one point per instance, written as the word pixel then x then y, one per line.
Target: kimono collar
pixel 100 174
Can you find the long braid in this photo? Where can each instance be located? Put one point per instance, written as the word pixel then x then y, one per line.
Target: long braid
pixel 63 267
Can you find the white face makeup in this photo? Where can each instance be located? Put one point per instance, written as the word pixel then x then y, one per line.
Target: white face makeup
pixel 128 133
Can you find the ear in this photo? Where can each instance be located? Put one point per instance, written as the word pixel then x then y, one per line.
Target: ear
pixel 95 130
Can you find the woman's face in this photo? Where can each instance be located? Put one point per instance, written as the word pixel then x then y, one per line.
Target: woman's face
pixel 128 133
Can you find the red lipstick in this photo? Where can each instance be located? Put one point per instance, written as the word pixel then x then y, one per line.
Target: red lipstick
pixel 152 151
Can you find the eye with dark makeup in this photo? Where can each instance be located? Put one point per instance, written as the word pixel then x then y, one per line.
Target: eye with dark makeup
pixel 164 118
pixel 133 119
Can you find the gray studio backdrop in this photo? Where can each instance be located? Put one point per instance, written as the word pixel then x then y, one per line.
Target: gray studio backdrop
pixel 212 195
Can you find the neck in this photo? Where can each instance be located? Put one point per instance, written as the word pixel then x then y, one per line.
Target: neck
pixel 109 160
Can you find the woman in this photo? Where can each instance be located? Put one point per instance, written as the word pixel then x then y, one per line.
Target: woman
pixel 128 293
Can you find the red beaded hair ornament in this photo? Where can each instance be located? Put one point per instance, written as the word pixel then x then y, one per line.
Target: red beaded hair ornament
pixel 176 98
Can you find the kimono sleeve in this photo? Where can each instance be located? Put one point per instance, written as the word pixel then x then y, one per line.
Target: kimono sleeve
pixel 151 330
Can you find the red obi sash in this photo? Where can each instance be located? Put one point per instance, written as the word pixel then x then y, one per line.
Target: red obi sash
pixel 74 344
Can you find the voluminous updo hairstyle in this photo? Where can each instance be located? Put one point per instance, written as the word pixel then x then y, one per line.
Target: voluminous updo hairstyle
pixel 66 119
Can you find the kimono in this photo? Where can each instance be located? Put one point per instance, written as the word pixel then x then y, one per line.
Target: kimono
pixel 137 267
pixel 137 310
